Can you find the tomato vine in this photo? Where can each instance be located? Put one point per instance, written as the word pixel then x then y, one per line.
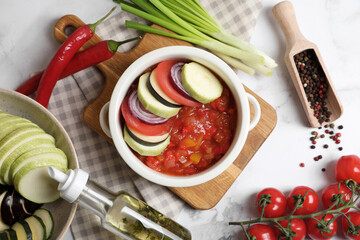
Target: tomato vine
pixel 336 208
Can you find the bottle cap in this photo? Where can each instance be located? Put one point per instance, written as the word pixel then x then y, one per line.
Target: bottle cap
pixel 71 184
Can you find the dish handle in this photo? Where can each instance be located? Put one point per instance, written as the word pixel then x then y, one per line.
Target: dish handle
pixel 257 111
pixel 104 119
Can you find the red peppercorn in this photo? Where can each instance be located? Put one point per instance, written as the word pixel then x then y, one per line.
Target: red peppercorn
pixel 320 92
pixel 302 164
pixel 335 138
pixel 337 141
pixel 313 142
pixel 316 115
pixel 321 86
pixel 316 158
pixel 327 131
pixel 338 134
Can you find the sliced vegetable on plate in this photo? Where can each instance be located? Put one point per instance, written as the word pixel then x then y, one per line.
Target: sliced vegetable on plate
pixel 22 230
pixel 37 227
pixel 47 219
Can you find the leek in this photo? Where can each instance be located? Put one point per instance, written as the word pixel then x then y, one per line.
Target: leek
pixel 189 21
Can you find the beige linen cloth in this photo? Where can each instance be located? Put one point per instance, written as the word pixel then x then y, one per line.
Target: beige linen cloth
pixel 98 157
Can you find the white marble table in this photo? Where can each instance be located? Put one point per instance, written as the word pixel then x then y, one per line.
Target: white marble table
pixel 26 32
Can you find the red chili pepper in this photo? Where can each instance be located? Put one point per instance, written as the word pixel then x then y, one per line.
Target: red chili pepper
pixel 84 59
pixel 61 59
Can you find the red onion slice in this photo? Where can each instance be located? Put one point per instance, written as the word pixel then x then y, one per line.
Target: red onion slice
pixel 138 111
pixel 176 80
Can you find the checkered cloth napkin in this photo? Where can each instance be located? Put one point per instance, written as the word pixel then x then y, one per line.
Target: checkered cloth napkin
pixel 98 157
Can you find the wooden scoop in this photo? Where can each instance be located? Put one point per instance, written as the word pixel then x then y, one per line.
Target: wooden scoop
pixel 296 43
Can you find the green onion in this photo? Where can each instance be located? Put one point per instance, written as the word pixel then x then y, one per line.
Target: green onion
pixel 192 23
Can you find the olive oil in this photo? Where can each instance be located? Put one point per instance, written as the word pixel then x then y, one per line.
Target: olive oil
pixel 120 213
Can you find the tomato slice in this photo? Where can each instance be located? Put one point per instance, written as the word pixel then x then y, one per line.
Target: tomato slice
pixel 141 127
pixel 163 76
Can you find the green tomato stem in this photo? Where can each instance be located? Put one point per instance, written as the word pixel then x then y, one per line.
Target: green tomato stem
pixel 350 204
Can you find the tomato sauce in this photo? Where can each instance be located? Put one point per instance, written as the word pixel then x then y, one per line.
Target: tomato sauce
pixel 199 138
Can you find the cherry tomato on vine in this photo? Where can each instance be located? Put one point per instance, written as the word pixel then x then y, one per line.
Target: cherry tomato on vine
pixel 262 232
pixel 277 207
pixel 331 192
pixel 318 231
pixel 309 203
pixel 351 233
pixel 348 167
pixel 297 226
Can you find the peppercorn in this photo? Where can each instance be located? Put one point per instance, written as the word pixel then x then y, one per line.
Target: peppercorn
pixel 314 83
pixel 340 127
pixel 340 148
pixel 326 146
pixel 323 169
pixel 302 164
pixel 312 147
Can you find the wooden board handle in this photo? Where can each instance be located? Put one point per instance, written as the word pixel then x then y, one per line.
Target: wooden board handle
pixel 71 21
pixel 285 16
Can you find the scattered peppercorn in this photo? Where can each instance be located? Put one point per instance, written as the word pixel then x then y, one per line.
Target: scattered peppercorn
pixel 323 169
pixel 326 146
pixel 332 125
pixel 312 147
pixel 338 135
pixel 320 156
pixel 340 127
pixel 340 148
pixel 337 141
pixel 302 164
pixel 314 142
pixel 322 135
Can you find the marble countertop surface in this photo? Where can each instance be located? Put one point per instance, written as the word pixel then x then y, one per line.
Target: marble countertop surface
pixel 26 32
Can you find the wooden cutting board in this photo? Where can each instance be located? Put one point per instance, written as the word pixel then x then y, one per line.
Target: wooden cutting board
pixel 203 196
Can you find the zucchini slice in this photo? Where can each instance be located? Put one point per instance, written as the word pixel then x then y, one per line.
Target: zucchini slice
pixel 4 236
pixel 22 230
pixel 11 234
pixel 37 227
pixel 142 147
pixel 34 183
pixel 47 219
pixel 146 138
pixel 200 82
pixel 153 86
pixel 3 225
pixel 151 103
